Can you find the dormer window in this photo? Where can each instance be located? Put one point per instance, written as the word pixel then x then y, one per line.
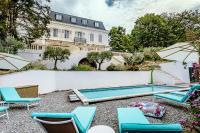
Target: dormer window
pixel 73 20
pixel 58 17
pixel 84 22
pixel 96 24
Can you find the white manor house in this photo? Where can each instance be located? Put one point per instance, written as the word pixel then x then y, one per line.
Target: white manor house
pixel 79 35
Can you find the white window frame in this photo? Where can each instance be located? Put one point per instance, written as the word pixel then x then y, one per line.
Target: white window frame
pixel 58 17
pixel 91 37
pixel 100 38
pixel 73 19
pixel 96 24
pixel 54 33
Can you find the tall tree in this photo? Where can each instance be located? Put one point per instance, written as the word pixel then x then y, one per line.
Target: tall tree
pixel 25 20
pixel 57 54
pixel 119 40
pixel 150 31
pixel 99 57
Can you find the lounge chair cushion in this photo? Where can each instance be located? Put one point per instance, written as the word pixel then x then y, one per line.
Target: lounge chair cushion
pixel 82 116
pixel 172 128
pixel 133 120
pixel 85 116
pixel 24 100
pixel 129 116
pixel 10 94
pixel 191 90
pixel 174 97
pixel 3 109
pixel 182 93
pixel 177 97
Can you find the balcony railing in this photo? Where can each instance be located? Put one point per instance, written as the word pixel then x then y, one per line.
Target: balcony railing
pixel 79 40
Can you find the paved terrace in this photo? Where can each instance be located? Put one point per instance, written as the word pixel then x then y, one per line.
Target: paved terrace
pixel 21 122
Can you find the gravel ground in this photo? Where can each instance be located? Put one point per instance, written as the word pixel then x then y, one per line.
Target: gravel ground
pixel 21 122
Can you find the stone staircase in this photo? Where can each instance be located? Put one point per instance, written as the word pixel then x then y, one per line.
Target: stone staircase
pixel 176 80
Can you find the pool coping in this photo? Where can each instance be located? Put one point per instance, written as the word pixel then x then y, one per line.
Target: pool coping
pixel 87 101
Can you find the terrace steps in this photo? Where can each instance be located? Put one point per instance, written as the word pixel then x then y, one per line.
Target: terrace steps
pixel 176 80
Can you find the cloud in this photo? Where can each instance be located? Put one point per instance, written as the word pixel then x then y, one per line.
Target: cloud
pixel 121 12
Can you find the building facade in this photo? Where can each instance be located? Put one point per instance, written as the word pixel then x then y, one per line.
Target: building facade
pixel 74 33
pixel 79 35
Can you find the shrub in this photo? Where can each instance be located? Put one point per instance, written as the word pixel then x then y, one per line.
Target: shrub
pixel 35 66
pixel 192 124
pixel 82 68
pixel 150 53
pixel 135 59
pixel 116 68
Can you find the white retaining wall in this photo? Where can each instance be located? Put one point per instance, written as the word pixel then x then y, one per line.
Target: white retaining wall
pixel 50 81
pixel 178 70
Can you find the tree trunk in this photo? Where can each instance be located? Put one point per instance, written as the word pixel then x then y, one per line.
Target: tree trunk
pixel 55 65
pixel 99 68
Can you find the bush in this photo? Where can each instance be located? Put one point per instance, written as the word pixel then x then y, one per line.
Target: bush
pixel 116 68
pixel 135 59
pixel 82 68
pixel 35 66
pixel 150 53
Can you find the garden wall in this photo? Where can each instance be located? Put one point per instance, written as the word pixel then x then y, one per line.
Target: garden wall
pixel 50 81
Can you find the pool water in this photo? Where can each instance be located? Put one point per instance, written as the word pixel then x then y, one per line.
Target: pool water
pixel 124 90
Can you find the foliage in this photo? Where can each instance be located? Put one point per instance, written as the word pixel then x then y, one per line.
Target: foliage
pixel 34 66
pixel 150 53
pixel 10 45
pixel 134 60
pixel 82 68
pixel 99 57
pixel 151 31
pixel 116 68
pixel 57 54
pixel 193 123
pixel 31 17
pixel 119 41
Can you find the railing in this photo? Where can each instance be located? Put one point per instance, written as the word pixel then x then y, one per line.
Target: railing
pixel 79 40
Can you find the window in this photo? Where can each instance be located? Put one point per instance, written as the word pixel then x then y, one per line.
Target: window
pixel 40 47
pixel 91 37
pixel 66 34
pixel 79 34
pixel 55 32
pixel 96 24
pixel 100 38
pixel 58 17
pixel 84 22
pixel 73 20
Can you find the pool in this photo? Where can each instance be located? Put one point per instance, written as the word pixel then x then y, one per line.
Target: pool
pixel 103 94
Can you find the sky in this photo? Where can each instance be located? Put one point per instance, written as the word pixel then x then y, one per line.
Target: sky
pixel 120 12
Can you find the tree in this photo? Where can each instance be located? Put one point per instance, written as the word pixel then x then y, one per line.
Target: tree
pixel 119 41
pixel 57 54
pixel 150 31
pixel 99 57
pixel 31 17
pixel 11 45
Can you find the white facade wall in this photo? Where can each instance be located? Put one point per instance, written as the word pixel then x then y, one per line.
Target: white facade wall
pixel 50 81
pixel 75 28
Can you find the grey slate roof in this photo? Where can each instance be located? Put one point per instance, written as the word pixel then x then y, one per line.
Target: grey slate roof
pixel 67 19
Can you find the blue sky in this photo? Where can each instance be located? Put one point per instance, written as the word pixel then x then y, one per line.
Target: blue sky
pixel 120 12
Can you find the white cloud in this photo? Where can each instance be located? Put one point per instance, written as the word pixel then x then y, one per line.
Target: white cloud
pixel 123 12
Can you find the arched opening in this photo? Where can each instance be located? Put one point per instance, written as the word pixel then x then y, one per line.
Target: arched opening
pixel 85 61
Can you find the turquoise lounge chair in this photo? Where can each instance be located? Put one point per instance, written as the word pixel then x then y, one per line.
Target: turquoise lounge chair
pixel 132 120
pixel 78 121
pixel 3 110
pixel 180 97
pixel 10 95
